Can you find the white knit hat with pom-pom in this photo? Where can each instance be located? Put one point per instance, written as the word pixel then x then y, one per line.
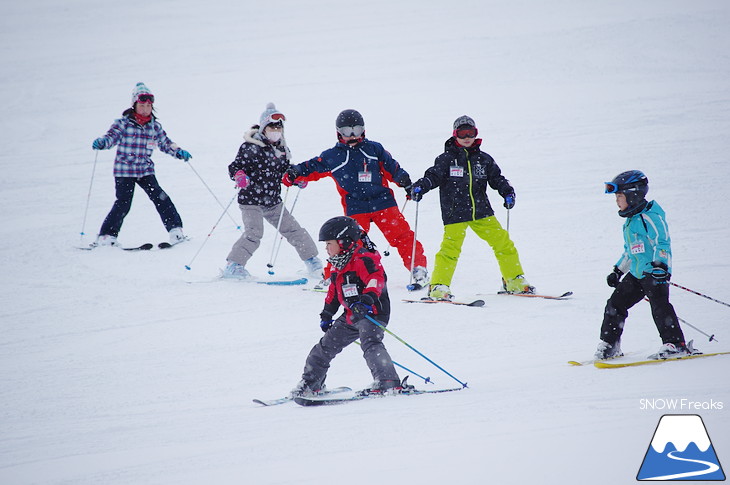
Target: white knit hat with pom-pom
pixel 269 116
pixel 138 90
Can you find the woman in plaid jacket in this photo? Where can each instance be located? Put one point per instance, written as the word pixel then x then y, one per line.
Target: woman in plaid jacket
pixel 136 134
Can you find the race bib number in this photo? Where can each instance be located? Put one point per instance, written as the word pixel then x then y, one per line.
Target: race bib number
pixel 637 248
pixel 457 171
pixel 349 291
pixel 364 177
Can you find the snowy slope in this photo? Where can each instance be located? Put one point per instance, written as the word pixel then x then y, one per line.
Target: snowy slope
pixel 115 370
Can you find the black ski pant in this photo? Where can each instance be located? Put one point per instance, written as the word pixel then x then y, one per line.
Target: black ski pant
pixel 628 293
pixel 125 192
pixel 339 336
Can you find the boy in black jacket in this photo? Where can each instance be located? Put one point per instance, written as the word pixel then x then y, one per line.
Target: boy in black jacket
pixel 463 173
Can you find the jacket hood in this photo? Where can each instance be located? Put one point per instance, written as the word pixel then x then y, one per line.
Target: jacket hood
pixel 255 137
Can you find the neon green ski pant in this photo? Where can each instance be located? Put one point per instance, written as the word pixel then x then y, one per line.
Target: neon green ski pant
pixel 488 229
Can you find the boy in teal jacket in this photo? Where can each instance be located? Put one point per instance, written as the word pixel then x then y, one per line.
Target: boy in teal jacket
pixel 647 263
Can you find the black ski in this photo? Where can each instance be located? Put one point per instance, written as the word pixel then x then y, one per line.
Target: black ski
pixel 330 401
pixel 143 247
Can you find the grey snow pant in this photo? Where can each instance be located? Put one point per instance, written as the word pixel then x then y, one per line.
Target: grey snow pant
pixel 253 222
pixel 339 336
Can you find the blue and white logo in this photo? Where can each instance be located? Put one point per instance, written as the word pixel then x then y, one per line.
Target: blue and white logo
pixel 681 450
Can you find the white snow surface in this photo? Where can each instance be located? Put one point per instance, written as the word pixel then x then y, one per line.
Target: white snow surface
pixel 115 370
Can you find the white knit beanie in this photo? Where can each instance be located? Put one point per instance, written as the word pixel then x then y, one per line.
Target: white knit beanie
pixel 269 116
pixel 140 88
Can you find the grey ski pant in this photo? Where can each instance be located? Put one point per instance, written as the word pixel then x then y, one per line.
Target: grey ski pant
pixel 339 336
pixel 253 223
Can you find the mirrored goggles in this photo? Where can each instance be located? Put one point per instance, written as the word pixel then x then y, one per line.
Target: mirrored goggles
pixel 278 117
pixel 356 130
pixel 466 133
pixel 611 188
pixel 145 98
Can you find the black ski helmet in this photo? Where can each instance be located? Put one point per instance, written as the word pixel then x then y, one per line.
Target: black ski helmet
pixel 634 185
pixel 349 117
pixel 345 230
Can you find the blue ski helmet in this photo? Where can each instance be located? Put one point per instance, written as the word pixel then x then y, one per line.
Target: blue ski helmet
pixel 633 184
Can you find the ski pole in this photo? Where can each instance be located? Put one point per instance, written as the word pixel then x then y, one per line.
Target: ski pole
pixel 426 380
pixel 508 220
pixel 88 196
pixel 699 294
pixel 238 226
pixel 387 250
pixel 281 238
pixel 270 264
pixel 685 322
pixel 413 349
pixel 414 286
pixel 225 211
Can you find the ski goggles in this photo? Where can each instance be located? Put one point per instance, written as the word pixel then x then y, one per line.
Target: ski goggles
pixel 356 130
pixel 145 98
pixel 466 133
pixel 611 188
pixel 277 117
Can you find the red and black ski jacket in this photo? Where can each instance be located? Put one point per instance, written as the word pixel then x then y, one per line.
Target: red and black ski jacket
pixel 366 275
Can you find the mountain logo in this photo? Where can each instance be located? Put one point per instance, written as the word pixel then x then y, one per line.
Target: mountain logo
pixel 681 450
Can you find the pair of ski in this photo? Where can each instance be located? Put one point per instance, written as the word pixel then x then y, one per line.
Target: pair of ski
pixel 617 362
pixel 143 247
pixel 480 303
pixel 326 399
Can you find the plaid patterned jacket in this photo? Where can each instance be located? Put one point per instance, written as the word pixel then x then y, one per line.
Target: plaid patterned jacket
pixel 135 144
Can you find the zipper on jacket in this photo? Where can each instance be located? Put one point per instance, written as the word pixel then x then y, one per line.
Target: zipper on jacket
pixel 471 187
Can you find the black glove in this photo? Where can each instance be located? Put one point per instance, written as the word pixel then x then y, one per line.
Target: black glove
pixel 659 272
pixel 290 176
pixel 363 305
pixel 509 200
pixel 416 190
pixel 613 279
pixel 325 322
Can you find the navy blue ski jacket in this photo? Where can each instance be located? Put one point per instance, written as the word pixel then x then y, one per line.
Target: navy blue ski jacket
pixel 361 174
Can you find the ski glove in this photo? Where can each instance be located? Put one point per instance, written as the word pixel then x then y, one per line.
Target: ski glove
pixel 325 320
pixel 416 191
pixel 362 306
pixel 183 154
pixel 509 201
pixel 614 278
pixel 290 177
pixel 659 272
pixel 241 179
pixel 99 144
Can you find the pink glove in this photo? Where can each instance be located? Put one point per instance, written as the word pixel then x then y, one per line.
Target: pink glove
pixel 241 179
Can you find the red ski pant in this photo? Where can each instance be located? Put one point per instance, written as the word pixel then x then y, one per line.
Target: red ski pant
pixel 397 232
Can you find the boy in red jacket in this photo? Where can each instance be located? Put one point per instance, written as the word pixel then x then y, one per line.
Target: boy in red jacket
pixel 357 283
